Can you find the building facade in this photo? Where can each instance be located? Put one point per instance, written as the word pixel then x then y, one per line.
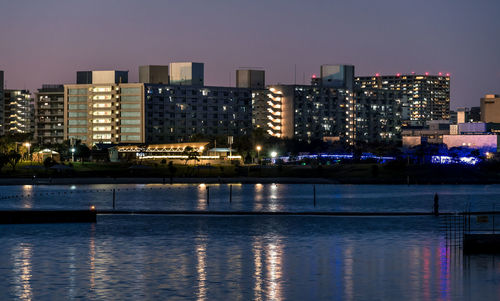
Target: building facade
pixel 2 105
pixel 490 108
pixel 18 112
pixel 175 113
pixel 100 112
pixel 49 115
pixel 305 112
pixel 427 96
pixel 378 115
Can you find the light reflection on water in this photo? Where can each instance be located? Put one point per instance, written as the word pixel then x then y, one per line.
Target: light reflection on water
pixel 201 269
pixel 241 258
pixel 256 197
pixel 21 259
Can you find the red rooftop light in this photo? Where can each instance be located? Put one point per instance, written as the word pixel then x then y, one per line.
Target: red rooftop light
pixel 426 73
pixel 377 74
pixel 314 75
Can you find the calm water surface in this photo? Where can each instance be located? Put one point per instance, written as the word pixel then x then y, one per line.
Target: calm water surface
pixel 244 257
pixel 253 197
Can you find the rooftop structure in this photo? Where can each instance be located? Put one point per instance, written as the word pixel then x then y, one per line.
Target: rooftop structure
pixel 153 74
pixel 187 74
pixel 248 78
pixel 490 108
pixel 101 77
pixel 338 76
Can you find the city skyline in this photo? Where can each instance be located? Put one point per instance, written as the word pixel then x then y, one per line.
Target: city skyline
pixel 47 42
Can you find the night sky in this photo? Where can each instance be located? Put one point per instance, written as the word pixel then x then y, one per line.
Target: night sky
pixel 47 41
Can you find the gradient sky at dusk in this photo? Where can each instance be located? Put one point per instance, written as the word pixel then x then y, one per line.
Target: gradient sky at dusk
pixel 47 41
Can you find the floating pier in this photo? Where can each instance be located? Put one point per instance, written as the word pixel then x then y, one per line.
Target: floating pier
pixel 47 216
pixel 481 243
pixel 263 213
pixel 475 232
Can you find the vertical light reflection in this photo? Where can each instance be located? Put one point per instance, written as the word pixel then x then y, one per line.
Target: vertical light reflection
pixel 348 272
pixel 273 198
pixel 274 253
pixel 414 265
pixel 27 200
pixel 23 271
pixel 444 271
pixel 426 273
pixel 258 197
pixel 202 197
pixel 92 256
pixel 72 272
pixel 258 275
pixel 201 268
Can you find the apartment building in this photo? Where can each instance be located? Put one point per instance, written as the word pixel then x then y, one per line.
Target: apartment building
pixel 176 113
pixel 18 111
pixel 49 114
pixel 427 96
pixel 107 111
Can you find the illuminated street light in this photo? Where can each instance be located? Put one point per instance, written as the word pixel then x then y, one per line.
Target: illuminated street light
pixel 72 154
pixel 258 148
pixel 28 145
pixel 274 154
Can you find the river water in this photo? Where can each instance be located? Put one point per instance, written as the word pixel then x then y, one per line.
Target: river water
pixel 124 257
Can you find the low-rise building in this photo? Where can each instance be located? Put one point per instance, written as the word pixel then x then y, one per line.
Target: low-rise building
pixel 432 132
pixel 482 142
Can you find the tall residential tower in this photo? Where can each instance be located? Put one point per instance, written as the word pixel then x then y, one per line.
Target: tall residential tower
pixel 424 97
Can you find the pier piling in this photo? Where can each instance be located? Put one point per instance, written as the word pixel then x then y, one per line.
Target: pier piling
pixel 314 194
pixel 208 195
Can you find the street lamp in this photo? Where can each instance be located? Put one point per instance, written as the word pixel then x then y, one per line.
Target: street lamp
pixel 28 145
pixel 258 152
pixel 72 154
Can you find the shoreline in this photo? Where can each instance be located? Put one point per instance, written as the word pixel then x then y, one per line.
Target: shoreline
pixel 224 180
pixel 100 180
